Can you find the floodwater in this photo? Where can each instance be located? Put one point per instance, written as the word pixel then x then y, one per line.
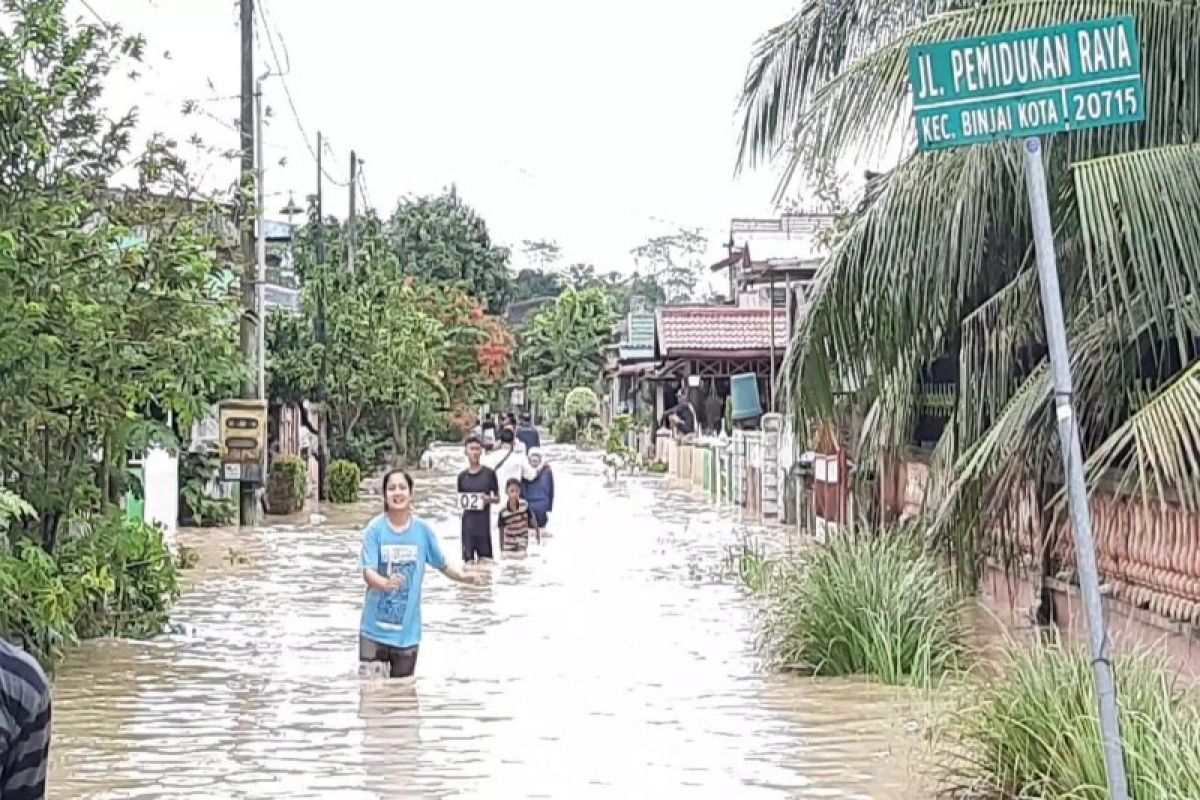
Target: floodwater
pixel 612 662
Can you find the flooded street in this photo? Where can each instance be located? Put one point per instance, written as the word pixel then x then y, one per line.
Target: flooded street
pixel 611 663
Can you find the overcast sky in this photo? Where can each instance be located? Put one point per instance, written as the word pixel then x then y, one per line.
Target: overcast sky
pixel 597 125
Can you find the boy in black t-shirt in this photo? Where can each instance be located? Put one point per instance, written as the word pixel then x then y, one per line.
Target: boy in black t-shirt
pixel 477 491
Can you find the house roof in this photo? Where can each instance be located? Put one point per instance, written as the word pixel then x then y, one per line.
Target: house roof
pixel 719 330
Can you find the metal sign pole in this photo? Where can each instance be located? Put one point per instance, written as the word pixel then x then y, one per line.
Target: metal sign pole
pixel 1072 453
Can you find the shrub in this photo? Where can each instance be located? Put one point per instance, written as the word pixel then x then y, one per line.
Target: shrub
pixel 126 578
pixel 590 435
pixel 748 561
pixel 580 404
pixel 1034 731
pixel 867 604
pixel 117 578
pixel 345 481
pixel 614 440
pixel 287 485
pixel 565 430
pixel 12 507
pixel 196 471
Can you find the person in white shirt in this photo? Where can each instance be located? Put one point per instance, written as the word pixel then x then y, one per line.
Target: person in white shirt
pixel 508 463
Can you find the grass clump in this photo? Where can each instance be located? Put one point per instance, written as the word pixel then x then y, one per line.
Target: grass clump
pixel 749 563
pixel 1034 732
pixel 870 603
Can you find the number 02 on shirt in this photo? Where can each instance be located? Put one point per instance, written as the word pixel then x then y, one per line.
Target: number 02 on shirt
pixel 471 501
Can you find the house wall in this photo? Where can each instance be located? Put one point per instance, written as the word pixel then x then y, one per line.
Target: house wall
pixel 1148 556
pixel 160 477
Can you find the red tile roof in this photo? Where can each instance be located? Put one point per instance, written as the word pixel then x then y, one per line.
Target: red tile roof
pixel 723 330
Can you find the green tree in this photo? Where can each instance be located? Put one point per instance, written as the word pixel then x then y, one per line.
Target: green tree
pixel 543 253
pixel 675 261
pixel 937 262
pixel 563 345
pixel 582 276
pixel 117 313
pixel 621 290
pixel 530 284
pixel 442 239
pixel 402 354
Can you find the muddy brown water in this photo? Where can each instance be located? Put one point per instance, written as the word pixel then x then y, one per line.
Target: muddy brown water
pixel 612 662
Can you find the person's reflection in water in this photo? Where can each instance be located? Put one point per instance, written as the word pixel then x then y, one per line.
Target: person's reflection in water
pixel 390 712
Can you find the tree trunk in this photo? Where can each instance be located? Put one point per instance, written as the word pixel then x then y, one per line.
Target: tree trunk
pixel 397 436
pixel 400 437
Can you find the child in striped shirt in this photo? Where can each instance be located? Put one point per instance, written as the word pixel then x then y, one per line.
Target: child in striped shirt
pixel 515 520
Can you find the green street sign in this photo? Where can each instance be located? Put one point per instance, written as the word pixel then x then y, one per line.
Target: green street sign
pixel 1027 83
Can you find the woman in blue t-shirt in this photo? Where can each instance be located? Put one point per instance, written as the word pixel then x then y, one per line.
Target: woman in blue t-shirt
pixel 396 546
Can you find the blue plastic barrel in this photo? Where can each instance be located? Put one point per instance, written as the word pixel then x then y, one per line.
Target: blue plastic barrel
pixel 743 393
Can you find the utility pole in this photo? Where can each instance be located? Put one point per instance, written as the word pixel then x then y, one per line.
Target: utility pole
pixel 352 219
pixel 247 333
pixel 323 366
pixel 260 251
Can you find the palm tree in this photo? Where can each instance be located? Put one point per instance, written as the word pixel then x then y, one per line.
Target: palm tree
pixel 937 262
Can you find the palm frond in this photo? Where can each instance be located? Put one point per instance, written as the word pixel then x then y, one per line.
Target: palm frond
pixel 797 57
pixel 1138 214
pixel 1162 440
pixel 926 252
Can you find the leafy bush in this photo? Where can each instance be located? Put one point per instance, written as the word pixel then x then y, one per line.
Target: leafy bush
pixel 565 430
pixel 581 404
pixel 196 471
pixel 364 449
pixel 1034 731
pixel 345 481
pixel 590 435
pixel 12 507
pixel 287 485
pixel 867 604
pixel 117 578
pixel 124 576
pixel 614 441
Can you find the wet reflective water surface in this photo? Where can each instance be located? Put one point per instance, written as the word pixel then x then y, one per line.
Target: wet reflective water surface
pixel 609 663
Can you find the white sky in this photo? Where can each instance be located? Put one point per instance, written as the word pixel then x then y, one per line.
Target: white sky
pixel 597 125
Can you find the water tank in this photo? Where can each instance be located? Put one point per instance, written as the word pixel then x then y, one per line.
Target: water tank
pixel 743 395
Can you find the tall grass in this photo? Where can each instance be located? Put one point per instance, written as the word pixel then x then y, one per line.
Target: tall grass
pixel 869 603
pixel 1034 732
pixel 749 563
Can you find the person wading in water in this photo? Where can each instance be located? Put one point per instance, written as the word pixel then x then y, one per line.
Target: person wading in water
pixel 24 725
pixel 478 491
pixel 509 461
pixel 539 492
pixel 396 546
pixel 515 520
pixel 527 434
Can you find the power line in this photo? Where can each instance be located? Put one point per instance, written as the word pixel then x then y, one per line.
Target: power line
pixel 96 14
pixel 368 205
pixel 281 73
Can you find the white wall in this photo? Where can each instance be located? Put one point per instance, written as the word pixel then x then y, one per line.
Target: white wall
pixel 162 489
